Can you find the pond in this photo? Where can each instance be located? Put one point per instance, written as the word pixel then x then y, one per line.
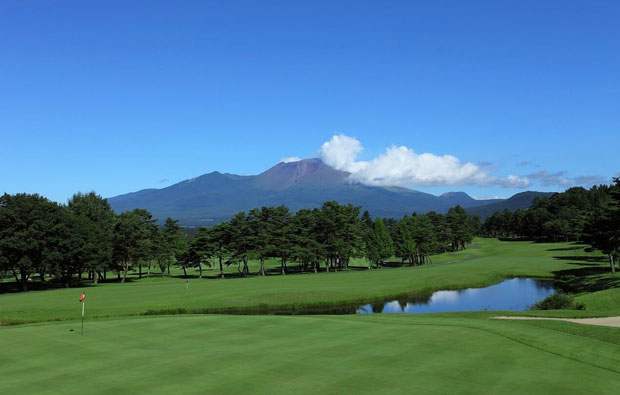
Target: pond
pixel 516 294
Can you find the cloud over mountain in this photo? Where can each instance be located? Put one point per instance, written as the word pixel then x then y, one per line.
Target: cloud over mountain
pixel 560 179
pixel 290 159
pixel 402 166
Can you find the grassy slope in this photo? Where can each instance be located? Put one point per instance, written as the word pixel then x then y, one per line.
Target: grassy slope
pixel 608 299
pixel 495 260
pixel 388 354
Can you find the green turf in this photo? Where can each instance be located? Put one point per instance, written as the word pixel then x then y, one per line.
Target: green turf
pixel 492 261
pixel 310 354
pixel 464 352
pixel 608 299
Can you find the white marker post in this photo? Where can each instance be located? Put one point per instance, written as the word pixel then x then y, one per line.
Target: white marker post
pixel 82 300
pixel 83 303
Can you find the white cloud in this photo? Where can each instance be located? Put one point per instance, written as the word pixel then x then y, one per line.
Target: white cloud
pixel 340 152
pixel 402 166
pixel 547 179
pixel 290 159
pixel 511 181
pixel 489 197
pixel 445 296
pixel 559 179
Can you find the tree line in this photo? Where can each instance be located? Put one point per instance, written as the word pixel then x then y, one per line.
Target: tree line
pixel 64 242
pixel 44 240
pixel 327 237
pixel 590 216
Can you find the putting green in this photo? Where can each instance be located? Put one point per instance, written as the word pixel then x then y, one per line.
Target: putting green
pixel 309 354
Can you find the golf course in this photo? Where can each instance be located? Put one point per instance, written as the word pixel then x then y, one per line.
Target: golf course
pixel 153 334
pixel 309 197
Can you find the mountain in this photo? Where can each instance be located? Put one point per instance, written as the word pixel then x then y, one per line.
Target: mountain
pixel 215 197
pixel 521 200
pixel 464 200
pixel 308 172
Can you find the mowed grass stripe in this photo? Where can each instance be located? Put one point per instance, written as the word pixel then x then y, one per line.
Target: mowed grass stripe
pixel 591 345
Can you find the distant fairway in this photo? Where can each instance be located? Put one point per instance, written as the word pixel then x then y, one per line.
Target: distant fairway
pixel 494 261
pixel 311 354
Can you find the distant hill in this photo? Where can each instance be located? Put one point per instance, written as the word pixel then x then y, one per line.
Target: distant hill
pixel 215 197
pixel 521 200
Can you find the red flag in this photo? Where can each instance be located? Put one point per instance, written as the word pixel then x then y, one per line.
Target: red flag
pixel 82 297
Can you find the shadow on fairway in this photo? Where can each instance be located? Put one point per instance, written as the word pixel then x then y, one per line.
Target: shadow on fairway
pixel 566 248
pixel 15 287
pixel 581 259
pixel 586 279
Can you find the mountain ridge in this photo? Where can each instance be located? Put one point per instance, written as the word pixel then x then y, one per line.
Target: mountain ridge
pixel 214 197
pixel 521 200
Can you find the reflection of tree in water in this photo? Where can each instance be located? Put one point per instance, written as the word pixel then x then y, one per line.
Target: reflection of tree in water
pixel 377 307
pixel 475 299
pixel 544 284
pixel 388 307
pixel 417 299
pixel 365 309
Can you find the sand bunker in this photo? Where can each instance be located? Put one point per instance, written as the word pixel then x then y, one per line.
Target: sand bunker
pixel 603 321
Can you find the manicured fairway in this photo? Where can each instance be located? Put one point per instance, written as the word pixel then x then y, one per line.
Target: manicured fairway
pixel 310 354
pixel 491 262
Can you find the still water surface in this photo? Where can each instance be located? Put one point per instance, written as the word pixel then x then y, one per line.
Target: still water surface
pixel 516 294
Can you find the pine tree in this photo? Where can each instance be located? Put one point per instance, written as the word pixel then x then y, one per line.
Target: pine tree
pixel 379 244
pixel 240 241
pixel 133 237
pixel 92 230
pixel 603 231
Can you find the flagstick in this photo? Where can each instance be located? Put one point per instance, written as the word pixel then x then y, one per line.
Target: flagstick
pixel 83 303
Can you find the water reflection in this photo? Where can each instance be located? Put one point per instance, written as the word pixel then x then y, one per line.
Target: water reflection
pixel 516 294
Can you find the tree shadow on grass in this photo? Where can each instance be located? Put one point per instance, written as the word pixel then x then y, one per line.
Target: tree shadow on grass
pixel 515 239
pixel 15 287
pixel 582 264
pixel 581 259
pixel 586 279
pixel 533 240
pixel 567 248
pixel 590 274
pixel 394 264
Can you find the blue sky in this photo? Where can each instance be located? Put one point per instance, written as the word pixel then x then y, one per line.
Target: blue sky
pixel 116 97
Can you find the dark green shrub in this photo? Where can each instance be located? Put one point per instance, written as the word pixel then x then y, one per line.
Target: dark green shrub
pixel 556 301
